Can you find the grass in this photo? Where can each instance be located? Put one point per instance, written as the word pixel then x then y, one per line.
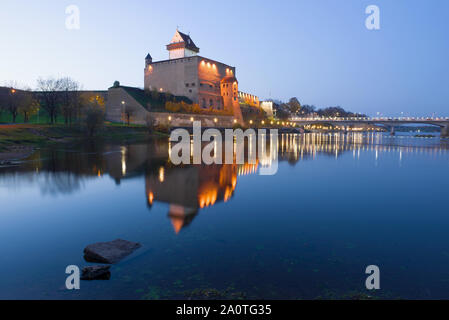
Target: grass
pixel 33 135
pixel 41 118
pixel 36 135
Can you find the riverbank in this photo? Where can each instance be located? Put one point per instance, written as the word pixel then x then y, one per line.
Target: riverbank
pixel 19 141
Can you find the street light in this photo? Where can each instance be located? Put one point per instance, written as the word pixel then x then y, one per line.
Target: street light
pixel 123 111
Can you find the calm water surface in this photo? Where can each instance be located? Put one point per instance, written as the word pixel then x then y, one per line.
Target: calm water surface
pixel 336 205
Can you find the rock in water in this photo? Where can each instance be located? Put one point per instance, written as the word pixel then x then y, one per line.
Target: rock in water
pixel 96 273
pixel 109 252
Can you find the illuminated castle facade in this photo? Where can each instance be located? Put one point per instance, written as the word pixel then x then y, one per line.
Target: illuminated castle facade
pixel 208 83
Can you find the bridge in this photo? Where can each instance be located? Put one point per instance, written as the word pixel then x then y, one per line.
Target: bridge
pixel 387 123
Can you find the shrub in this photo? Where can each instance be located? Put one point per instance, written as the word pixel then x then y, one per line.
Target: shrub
pixel 163 128
pixel 186 107
pixel 196 108
pixel 172 106
pixel 93 119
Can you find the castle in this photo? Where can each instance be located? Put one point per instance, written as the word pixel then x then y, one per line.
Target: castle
pixel 208 83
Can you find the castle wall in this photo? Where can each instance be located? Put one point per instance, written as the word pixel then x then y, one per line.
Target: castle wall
pixel 115 112
pixel 115 109
pixel 249 99
pixel 185 120
pixel 195 77
pixel 178 76
pixel 210 74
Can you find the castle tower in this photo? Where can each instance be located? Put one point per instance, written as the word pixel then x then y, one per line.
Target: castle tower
pixel 148 60
pixel 148 70
pixel 182 46
pixel 229 91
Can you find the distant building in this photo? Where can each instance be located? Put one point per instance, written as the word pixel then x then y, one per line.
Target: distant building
pixel 268 107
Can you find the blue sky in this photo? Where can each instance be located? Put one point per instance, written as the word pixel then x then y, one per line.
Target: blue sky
pixel 317 50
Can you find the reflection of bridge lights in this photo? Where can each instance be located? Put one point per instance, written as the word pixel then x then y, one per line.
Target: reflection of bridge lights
pixel 247 169
pixel 298 145
pixel 150 197
pixel 266 161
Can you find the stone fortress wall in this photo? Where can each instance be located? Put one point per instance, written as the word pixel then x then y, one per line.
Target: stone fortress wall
pixel 119 99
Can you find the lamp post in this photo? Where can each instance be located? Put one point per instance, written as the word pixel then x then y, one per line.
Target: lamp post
pixel 123 111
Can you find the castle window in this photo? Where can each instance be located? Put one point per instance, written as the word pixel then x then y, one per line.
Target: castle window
pixel 190 90
pixel 187 85
pixel 193 84
pixel 203 103
pixel 211 103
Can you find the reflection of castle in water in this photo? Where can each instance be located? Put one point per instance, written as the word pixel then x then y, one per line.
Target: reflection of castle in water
pixel 189 189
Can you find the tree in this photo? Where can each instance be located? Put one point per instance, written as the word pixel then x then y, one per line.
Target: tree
pixel 293 105
pixel 70 98
pixel 27 105
pixel 282 114
pixel 93 118
pixel 12 103
pixel 307 109
pixel 3 94
pixel 88 98
pixel 50 97
pixel 10 99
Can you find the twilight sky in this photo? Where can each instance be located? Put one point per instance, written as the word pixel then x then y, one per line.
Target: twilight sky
pixel 317 50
